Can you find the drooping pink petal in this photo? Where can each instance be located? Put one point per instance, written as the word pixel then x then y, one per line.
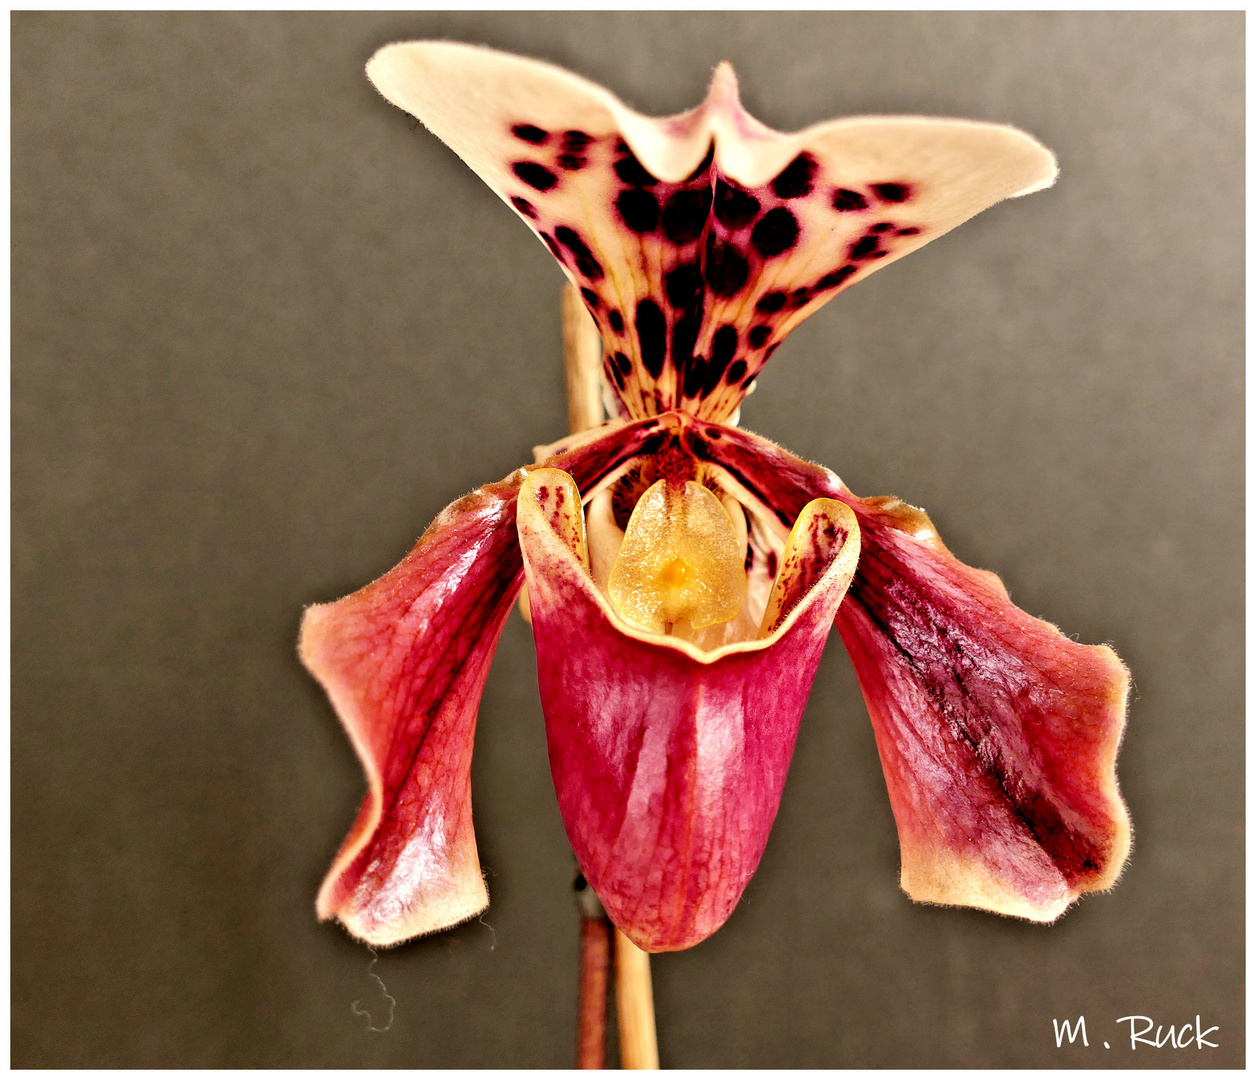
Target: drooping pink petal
pixel 669 762
pixel 404 662
pixel 700 240
pixel 998 735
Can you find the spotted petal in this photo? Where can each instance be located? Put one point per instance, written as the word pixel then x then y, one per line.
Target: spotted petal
pixel 998 735
pixel 700 240
pixel 404 662
pixel 669 761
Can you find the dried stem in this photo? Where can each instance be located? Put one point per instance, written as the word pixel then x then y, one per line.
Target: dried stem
pixel 638 1044
pixel 582 354
pixel 595 964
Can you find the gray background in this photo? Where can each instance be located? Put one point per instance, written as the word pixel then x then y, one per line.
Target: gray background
pixel 263 331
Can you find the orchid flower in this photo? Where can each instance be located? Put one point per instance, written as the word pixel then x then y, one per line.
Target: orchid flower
pixel 683 574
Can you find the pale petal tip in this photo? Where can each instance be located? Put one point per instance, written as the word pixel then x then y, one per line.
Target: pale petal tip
pixel 724 92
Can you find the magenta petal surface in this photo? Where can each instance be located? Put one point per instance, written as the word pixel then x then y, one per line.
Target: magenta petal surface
pixel 998 735
pixel 404 662
pixel 668 763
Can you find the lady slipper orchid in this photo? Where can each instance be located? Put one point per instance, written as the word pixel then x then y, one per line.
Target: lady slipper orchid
pixel 683 574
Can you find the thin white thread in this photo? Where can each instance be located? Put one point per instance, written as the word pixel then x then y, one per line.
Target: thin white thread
pixel 392 1001
pixel 493 944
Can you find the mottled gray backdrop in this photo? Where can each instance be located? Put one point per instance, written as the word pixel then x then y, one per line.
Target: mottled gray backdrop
pixel 263 331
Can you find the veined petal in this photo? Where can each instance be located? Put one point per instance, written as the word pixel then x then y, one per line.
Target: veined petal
pixel 404 662
pixel 700 240
pixel 998 735
pixel 669 761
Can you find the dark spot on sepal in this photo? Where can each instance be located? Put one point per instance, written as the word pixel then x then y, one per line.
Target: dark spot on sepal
pixel 736 370
pixel 881 226
pixel 726 270
pixel 555 250
pixel 586 262
pixel 775 233
pixel 683 285
pixel 844 200
pixel 864 247
pixel 572 162
pixel 651 336
pixel 638 209
pixel 591 298
pixel 800 298
pixel 623 362
pixel 534 175
pixel 911 230
pixel 771 302
pixel 530 133
pixel 616 320
pixel 685 215
pixel 834 278
pixel 735 208
pixel 575 141
pixel 523 206
pixel 795 180
pixel 758 336
pixel 893 192
pixel 630 171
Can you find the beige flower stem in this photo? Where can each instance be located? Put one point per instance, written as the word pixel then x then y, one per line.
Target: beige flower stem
pixel 582 356
pixel 638 1044
pixel 634 996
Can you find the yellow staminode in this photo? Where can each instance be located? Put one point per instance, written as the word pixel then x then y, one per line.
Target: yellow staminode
pixel 681 561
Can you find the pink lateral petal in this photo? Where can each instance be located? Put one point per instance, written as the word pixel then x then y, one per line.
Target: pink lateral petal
pixel 668 763
pixel 998 735
pixel 700 241
pixel 404 662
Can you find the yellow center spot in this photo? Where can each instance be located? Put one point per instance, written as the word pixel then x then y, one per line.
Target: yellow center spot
pixel 681 560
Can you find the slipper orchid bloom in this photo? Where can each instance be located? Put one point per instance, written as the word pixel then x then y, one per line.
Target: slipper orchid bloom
pixel 683 574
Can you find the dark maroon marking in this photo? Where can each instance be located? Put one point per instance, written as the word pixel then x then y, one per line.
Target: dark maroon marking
pixel 684 337
pixel 911 230
pixel 775 233
pixel 735 208
pixel 799 297
pixel 695 377
pixel 615 373
pixel 714 374
pixel 727 269
pixel 771 302
pixel 895 192
pixel 652 336
pixel 796 178
pixel 616 320
pixel 683 285
pixel 629 170
pixel 836 277
pixel 530 133
pixel 534 175
pixel 771 349
pixel 758 336
pixel 844 199
pixel 555 250
pixel 623 363
pixel 576 141
pixel 586 263
pixel 685 215
pixel 724 346
pixel 572 162
pixel 864 247
pixel 523 206
pixel 881 226
pixel 591 298
pixel 703 165
pixel 735 371
pixel 772 564
pixel 638 209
